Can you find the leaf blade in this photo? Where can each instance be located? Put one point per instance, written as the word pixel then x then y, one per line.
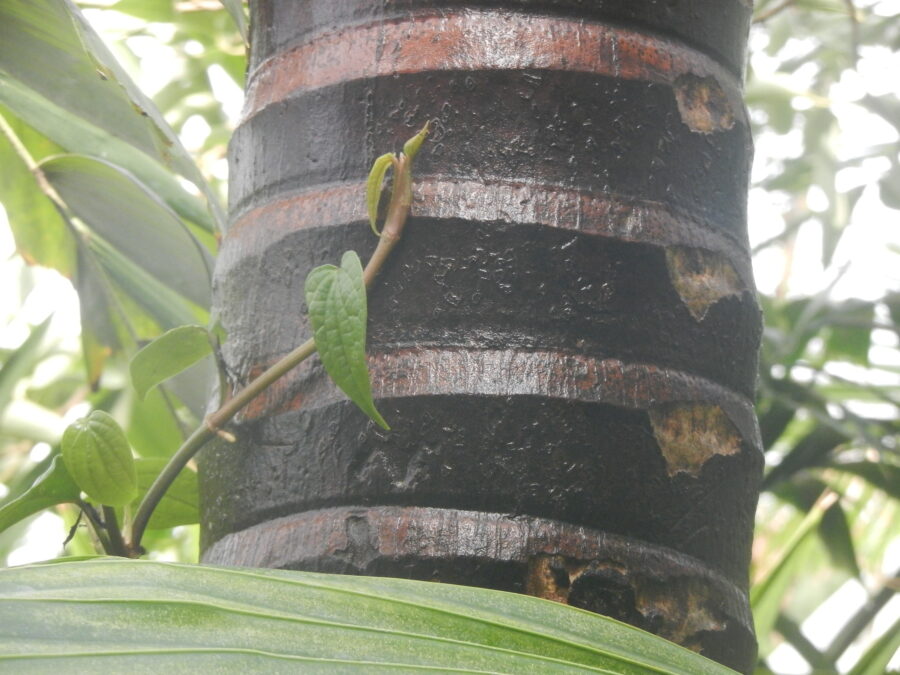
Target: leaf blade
pixel 54 486
pixel 373 187
pixel 879 655
pixel 22 361
pixel 98 457
pixel 179 505
pixel 52 51
pixel 336 297
pixel 134 222
pixel 236 10
pixel 81 135
pixel 334 622
pixel 41 234
pixel 169 354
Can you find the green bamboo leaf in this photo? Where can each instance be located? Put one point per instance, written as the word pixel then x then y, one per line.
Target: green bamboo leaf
pixel 54 486
pixel 838 539
pixel 113 615
pixel 373 187
pixel 56 73
pixel 168 355
pixel 49 48
pixel 180 503
pixel 133 283
pixel 120 301
pixel 767 596
pixel 849 334
pixel 133 220
pixel 98 457
pixel 879 655
pixel 22 361
pixel 41 235
pixel 99 334
pixel 882 475
pixel 236 10
pixel 81 136
pixel 336 297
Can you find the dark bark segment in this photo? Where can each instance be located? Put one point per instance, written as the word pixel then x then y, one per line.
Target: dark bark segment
pixel 458 282
pixel 572 130
pixel 564 342
pixel 716 27
pixel 589 463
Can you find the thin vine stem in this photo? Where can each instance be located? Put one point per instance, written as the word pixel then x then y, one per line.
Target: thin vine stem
pixel 398 211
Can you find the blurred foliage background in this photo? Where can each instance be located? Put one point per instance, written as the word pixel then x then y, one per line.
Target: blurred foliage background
pixel 823 95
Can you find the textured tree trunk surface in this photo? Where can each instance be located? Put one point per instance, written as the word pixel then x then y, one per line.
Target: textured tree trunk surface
pixel 564 342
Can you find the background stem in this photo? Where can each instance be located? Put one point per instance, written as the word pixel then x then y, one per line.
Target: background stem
pixel 111 524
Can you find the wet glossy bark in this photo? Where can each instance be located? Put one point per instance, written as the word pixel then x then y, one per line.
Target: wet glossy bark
pixel 565 341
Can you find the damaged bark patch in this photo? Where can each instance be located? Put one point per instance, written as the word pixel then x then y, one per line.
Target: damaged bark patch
pixel 701 278
pixel 683 608
pixel 703 104
pixel 550 577
pixel 679 608
pixel 690 434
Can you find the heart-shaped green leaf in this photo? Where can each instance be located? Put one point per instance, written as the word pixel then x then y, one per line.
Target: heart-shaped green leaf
pixel 54 486
pixel 168 355
pixel 99 458
pixel 337 311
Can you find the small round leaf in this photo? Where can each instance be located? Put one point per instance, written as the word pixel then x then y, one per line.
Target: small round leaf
pixel 98 457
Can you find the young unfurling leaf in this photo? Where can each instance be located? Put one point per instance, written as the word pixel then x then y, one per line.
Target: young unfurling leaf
pixel 337 311
pixel 411 147
pixel 373 187
pixel 379 170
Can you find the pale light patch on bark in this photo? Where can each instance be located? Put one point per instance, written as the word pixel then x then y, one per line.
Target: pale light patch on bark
pixel 690 434
pixel 703 104
pixel 701 278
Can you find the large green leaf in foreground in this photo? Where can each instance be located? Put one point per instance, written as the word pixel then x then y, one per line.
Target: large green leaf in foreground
pixel 109 615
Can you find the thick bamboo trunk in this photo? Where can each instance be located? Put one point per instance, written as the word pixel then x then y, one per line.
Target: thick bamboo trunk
pixel 565 341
